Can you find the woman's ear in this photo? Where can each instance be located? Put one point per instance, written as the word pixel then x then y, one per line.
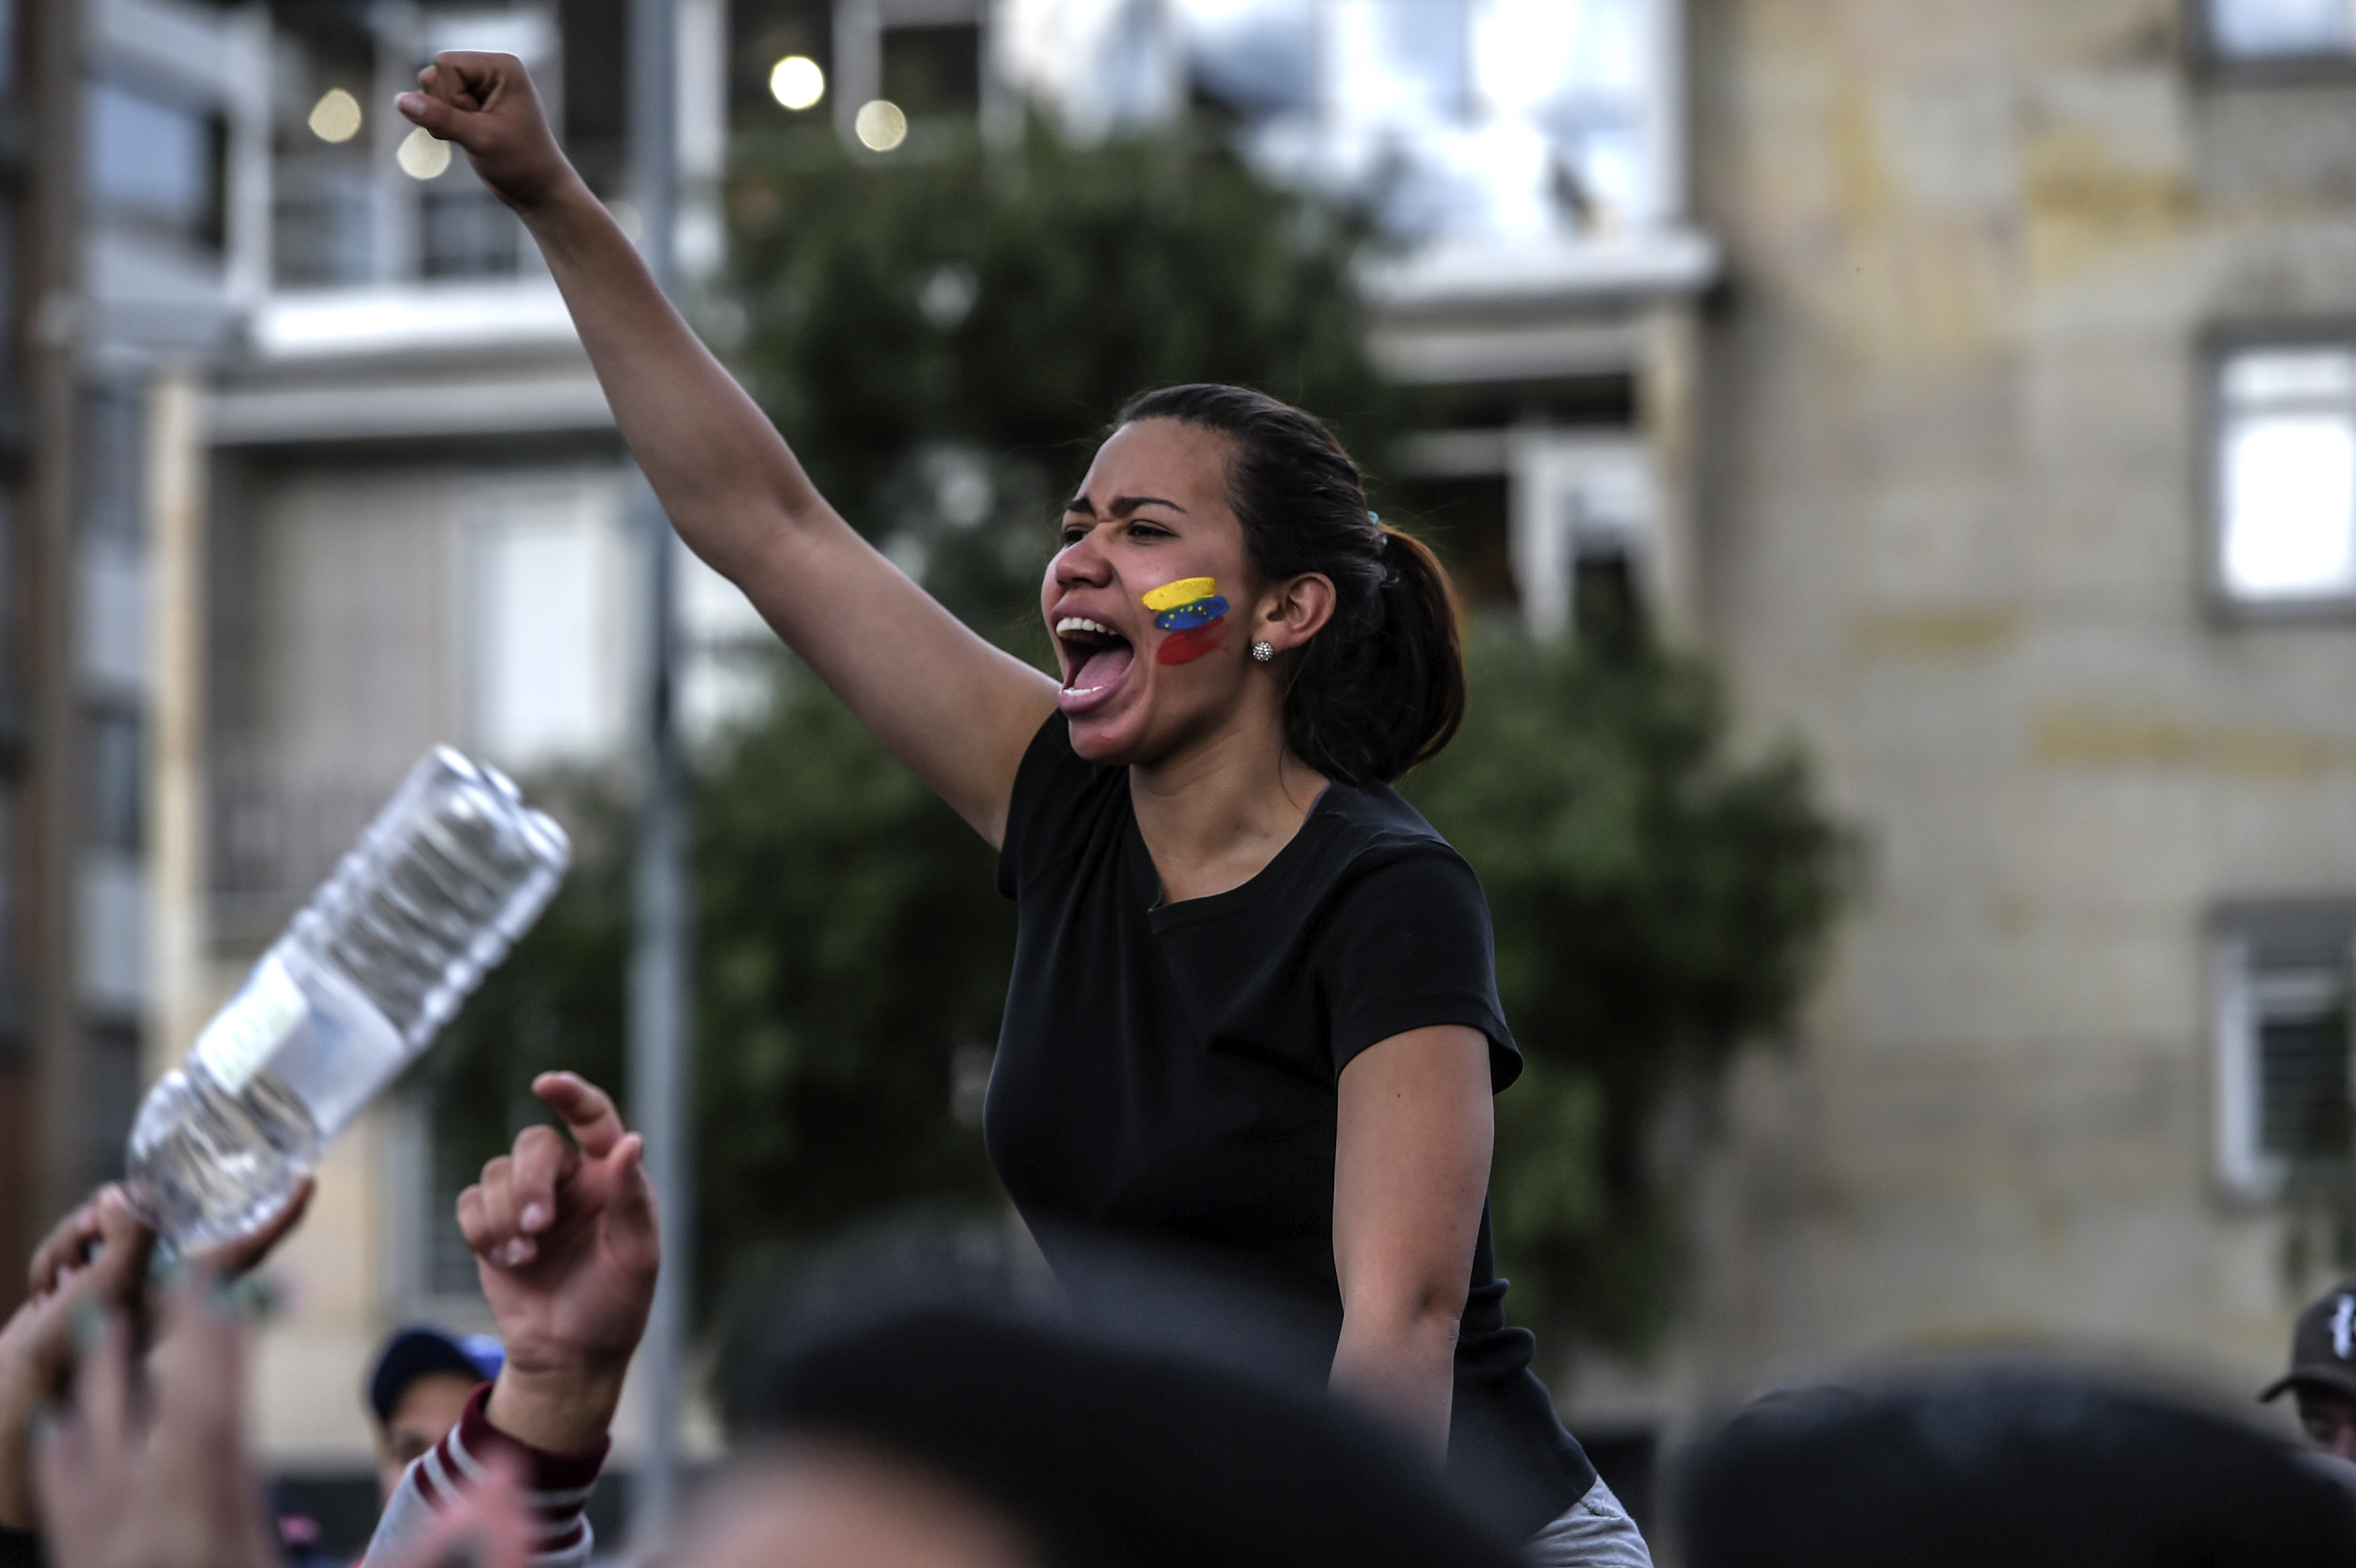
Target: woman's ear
pixel 1295 611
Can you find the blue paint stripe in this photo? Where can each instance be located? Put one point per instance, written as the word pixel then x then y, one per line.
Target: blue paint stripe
pixel 1201 612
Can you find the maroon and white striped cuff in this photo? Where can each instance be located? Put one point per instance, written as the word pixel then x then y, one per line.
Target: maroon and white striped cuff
pixel 556 1486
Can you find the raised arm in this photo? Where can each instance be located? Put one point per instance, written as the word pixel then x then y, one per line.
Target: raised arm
pixel 957 710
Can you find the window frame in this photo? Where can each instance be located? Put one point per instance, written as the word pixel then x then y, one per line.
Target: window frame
pixel 2211 61
pixel 2218 346
pixel 2242 1171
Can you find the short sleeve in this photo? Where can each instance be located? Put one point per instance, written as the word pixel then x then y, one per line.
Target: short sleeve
pixel 1405 945
pixel 1049 789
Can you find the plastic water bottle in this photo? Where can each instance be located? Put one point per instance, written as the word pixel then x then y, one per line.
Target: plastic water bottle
pixel 451 872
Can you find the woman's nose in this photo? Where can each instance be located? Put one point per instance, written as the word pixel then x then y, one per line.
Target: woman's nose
pixel 1082 565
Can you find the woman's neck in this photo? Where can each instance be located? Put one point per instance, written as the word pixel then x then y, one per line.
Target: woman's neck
pixel 1213 815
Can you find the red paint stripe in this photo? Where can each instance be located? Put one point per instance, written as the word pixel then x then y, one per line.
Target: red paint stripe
pixel 1184 648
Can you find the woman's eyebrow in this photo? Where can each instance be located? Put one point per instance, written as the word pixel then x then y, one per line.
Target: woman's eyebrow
pixel 1121 506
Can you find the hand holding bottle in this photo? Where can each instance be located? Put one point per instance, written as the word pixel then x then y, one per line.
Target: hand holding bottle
pixel 95 1260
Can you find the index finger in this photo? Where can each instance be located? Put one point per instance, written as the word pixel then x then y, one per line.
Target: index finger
pixel 444 79
pixel 475 72
pixel 587 1110
pixel 66 1246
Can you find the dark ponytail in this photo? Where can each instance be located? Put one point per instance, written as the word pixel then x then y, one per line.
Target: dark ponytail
pixel 1381 686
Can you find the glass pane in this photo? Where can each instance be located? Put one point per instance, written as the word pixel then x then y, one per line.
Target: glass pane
pixel 2264 27
pixel 1397 60
pixel 148 158
pixel 549 676
pixel 2303 1101
pixel 1258 55
pixel 1545 57
pixel 322 219
pixel 2291 375
pixel 2290 494
pixel 467 233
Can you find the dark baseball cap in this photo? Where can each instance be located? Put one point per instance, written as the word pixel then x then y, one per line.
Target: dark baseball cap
pixel 2323 1346
pixel 422 1350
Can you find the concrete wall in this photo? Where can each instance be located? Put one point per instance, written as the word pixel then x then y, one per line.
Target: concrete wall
pixel 1952 539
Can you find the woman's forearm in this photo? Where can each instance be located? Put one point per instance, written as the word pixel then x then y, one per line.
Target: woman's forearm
pixel 1401 1367
pixel 725 474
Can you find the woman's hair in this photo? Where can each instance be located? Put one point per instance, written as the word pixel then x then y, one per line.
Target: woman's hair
pixel 1380 688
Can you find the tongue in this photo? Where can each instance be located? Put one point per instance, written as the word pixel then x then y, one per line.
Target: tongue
pixel 1104 665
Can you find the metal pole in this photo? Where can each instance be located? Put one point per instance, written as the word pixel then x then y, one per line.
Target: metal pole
pixel 660 1095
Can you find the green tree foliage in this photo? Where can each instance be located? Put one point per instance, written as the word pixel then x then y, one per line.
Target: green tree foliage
pixel 943 339
pixel 1659 902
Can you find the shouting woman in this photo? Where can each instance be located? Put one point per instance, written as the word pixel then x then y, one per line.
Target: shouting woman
pixel 1253 1014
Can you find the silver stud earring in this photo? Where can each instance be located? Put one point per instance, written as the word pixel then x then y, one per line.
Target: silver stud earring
pixel 1263 651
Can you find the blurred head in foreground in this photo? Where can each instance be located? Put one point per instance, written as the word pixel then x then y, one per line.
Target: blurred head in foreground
pixel 972 1431
pixel 2322 1375
pixel 2020 1467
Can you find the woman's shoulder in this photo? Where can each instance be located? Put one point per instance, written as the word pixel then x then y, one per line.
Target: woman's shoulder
pixel 1376 821
pixel 1374 846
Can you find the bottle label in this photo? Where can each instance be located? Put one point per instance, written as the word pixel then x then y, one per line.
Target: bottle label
pixel 244 1035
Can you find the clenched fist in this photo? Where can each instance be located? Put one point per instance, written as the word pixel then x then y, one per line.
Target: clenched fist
pixel 486 103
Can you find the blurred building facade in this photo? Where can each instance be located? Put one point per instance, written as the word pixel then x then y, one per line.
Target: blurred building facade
pixel 1975 380
pixel 2026 477
pixel 306 471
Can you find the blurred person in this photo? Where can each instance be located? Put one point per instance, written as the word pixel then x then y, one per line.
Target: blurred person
pixel 143 1464
pixel 2322 1375
pixel 957 1433
pixel 567 1245
pixel 95 1259
pixel 909 1433
pixel 422 1378
pixel 2028 1468
pixel 1253 1011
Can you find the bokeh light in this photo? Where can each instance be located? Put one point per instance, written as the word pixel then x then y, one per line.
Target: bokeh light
pixel 336 117
pixel 797 81
pixel 422 156
pixel 880 125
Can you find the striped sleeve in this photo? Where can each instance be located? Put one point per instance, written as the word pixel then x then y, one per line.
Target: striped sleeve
pixel 557 1489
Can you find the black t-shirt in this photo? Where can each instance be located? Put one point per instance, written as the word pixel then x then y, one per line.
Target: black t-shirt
pixel 1166 1072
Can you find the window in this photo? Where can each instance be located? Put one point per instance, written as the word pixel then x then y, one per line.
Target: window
pixel 153 162
pixel 2266 31
pixel 1515 120
pixel 933 70
pixel 2284 1085
pixel 552 618
pixel 2286 474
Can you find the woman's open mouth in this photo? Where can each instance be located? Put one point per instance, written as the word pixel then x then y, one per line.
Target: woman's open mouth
pixel 1096 660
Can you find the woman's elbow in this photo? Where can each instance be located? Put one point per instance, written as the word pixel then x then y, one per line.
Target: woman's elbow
pixel 1425 1314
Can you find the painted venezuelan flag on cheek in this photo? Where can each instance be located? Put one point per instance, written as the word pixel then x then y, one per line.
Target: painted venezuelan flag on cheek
pixel 1189 610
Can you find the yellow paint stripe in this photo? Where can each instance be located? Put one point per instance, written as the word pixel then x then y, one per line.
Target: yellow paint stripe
pixel 1185 590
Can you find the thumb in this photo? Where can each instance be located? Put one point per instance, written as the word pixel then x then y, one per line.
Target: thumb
pixel 630 1196
pixel 441 120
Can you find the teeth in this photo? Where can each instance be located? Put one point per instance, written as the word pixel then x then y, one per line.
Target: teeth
pixel 1071 624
